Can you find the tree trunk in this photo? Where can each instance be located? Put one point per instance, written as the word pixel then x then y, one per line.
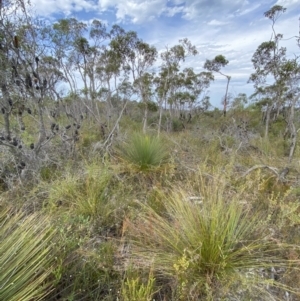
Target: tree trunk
pixel 42 129
pixel 145 120
pixel 292 131
pixel 294 142
pixel 268 113
pixel 225 99
pixel 160 117
pixel 6 113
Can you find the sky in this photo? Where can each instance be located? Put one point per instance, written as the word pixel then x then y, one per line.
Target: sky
pixel 233 28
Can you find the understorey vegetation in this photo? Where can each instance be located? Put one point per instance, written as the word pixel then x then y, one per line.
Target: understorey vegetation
pixel 119 181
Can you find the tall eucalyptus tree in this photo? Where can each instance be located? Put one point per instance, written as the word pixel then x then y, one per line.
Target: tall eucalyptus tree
pixel 215 65
pixel 175 87
pixel 277 78
pixel 137 57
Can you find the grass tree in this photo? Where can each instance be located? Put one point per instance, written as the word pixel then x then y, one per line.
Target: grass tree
pixel 144 152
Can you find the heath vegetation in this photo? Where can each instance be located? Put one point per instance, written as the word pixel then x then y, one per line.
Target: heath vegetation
pixel 134 188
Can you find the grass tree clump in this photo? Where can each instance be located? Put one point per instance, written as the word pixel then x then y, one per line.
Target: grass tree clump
pixel 144 152
pixel 207 249
pixel 26 256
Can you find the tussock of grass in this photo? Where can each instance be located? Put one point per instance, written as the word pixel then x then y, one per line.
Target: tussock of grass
pixel 144 152
pixel 26 257
pixel 207 248
pixel 85 193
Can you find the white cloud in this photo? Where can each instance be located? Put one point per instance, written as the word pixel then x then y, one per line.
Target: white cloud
pixel 172 11
pixel 67 7
pixel 137 10
pixel 216 22
pixel 140 11
pixel 287 3
pixel 208 8
pixel 249 10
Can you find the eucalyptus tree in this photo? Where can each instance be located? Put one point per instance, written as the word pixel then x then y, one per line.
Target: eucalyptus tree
pixel 277 77
pixel 63 33
pixel 290 75
pixel 239 101
pixel 169 71
pixel 79 48
pixel 136 57
pixel 267 61
pixel 167 79
pixel 88 65
pixel 176 87
pixel 215 65
pixel 189 87
pixel 87 52
pixel 110 75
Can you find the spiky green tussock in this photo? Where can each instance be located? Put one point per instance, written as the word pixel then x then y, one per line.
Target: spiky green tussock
pixel 27 256
pixel 145 152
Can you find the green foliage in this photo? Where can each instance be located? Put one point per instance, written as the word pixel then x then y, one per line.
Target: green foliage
pixel 92 271
pixel 86 194
pixel 27 256
pixel 150 105
pixel 133 289
pixel 49 172
pixel 220 59
pixel 144 152
pixel 274 12
pixel 177 125
pixel 206 247
pixel 86 269
pixel 216 64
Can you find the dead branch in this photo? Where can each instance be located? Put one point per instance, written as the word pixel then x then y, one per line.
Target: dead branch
pixel 273 169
